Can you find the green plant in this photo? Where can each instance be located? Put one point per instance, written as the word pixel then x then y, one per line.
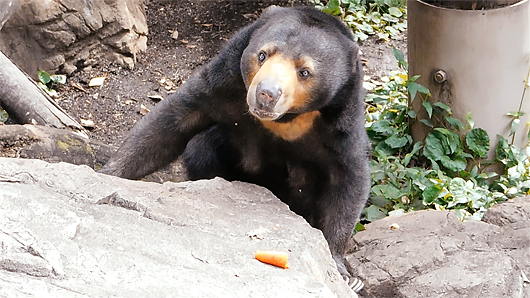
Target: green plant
pixel 448 169
pixel 4 116
pixel 48 82
pixel 386 18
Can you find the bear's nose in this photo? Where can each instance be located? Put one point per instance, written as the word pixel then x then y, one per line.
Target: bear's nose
pixel 268 93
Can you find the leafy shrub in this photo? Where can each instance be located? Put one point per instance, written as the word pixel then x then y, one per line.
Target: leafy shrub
pixel 4 116
pixel 48 82
pixel 386 18
pixel 448 169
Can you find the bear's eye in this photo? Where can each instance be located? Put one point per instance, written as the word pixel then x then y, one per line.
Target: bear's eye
pixel 262 56
pixel 304 73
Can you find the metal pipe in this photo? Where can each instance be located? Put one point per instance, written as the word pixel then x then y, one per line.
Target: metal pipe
pixel 472 60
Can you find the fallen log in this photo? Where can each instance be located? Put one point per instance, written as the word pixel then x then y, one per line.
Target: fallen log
pixel 26 103
pixel 53 145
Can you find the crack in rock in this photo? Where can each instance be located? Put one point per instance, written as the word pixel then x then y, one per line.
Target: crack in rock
pixel 26 256
pixel 116 199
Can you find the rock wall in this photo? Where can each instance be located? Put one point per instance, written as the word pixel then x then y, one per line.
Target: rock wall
pixel 62 35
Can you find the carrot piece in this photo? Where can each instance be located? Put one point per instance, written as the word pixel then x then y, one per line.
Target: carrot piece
pixel 276 258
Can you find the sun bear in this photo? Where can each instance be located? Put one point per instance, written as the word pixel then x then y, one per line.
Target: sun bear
pixel 280 106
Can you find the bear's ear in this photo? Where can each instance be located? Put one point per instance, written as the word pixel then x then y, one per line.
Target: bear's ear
pixel 271 10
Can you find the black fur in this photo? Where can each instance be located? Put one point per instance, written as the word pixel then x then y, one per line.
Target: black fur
pixel 323 175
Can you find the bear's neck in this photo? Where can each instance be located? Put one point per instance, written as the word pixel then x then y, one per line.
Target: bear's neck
pixel 294 129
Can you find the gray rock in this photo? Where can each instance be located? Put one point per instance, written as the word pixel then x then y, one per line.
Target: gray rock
pixel 68 231
pixel 432 254
pixel 51 34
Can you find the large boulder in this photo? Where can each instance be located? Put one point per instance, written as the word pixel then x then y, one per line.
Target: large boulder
pixel 66 34
pixel 433 254
pixel 66 231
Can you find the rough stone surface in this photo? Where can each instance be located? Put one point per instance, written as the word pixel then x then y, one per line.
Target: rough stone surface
pixel 432 254
pixel 56 145
pixel 66 231
pixel 65 34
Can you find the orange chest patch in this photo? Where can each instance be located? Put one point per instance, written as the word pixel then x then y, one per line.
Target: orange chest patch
pixel 295 129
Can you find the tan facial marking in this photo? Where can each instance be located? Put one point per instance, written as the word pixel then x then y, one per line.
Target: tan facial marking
pixel 294 129
pixel 254 63
pixel 281 68
pixel 284 72
pixel 254 68
pixel 302 92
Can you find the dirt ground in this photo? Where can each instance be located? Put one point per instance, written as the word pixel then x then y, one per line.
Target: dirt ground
pixel 183 35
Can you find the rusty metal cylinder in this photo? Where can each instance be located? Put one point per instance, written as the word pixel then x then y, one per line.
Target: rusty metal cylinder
pixel 474 61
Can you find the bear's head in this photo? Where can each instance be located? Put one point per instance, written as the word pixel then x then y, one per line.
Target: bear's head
pixel 296 63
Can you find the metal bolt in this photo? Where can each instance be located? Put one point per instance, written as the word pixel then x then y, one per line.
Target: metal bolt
pixel 440 76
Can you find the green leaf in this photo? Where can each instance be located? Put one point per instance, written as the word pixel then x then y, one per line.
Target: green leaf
pixel 450 140
pixel 434 165
pixel 398 54
pixel 383 127
pixel 502 149
pixel 516 114
pixel 361 35
pixel 394 11
pixel 430 193
pixel 414 78
pixel 455 123
pixel 359 227
pixel 389 18
pixel 478 141
pixel 378 200
pixel 465 155
pixel 333 8
pixel 51 92
pixel 514 126
pixel 415 149
pixel 374 213
pixel 42 86
pixel 455 164
pixel 396 141
pixel 424 90
pixel 387 191
pixel 3 116
pixel 469 120
pixel 396 212
pixel 474 171
pixel 433 148
pixel 487 175
pixel 443 106
pixel 383 150
pixel 428 107
pixel 44 77
pixel 413 89
pixel 427 122
pixel 411 114
pixel 58 79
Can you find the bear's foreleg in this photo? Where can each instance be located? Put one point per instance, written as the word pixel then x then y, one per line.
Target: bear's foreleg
pixel 160 137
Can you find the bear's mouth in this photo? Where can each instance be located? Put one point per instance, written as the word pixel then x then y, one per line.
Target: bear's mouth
pixel 265 115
